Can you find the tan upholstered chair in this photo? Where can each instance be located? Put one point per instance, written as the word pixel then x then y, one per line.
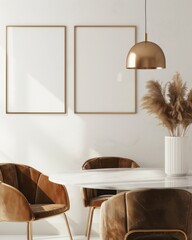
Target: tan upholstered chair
pixel 154 214
pixel 27 195
pixel 93 198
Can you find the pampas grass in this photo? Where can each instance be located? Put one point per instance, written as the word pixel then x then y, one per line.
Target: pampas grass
pixel 171 103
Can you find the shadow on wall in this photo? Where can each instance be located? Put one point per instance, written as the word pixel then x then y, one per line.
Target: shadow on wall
pixel 48 142
pixel 112 135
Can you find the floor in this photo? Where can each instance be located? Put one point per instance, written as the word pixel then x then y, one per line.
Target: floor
pixel 19 237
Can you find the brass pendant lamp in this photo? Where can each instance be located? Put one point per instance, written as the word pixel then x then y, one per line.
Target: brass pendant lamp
pixel 145 55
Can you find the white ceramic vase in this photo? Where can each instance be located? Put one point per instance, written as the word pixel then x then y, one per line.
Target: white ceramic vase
pixel 175 161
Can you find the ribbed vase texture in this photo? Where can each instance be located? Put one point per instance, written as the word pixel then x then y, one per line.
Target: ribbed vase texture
pixel 175 164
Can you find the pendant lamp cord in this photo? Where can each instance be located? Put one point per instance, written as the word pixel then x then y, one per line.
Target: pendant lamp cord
pixel 145 20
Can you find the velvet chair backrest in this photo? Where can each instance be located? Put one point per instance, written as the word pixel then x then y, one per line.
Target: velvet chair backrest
pixel 159 209
pixel 104 162
pixel 109 162
pixel 146 209
pixel 33 184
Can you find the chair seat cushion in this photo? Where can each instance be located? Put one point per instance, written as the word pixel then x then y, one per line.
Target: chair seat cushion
pixel 47 210
pixel 97 201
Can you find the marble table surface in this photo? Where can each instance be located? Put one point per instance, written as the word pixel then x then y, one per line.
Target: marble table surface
pixel 121 179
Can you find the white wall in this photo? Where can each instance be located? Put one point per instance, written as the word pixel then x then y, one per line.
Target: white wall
pixel 54 143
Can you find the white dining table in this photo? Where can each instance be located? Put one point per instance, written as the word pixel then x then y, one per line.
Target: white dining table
pixel 121 179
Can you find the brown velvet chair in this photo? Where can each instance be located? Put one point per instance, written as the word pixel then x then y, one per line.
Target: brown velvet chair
pixel 27 195
pixel 93 198
pixel 153 214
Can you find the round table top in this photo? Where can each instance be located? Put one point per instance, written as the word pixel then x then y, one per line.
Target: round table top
pixel 121 179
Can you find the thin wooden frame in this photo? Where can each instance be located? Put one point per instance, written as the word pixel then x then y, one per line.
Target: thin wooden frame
pixel 52 40
pixel 76 80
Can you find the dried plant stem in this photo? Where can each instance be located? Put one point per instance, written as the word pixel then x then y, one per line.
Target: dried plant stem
pixel 172 104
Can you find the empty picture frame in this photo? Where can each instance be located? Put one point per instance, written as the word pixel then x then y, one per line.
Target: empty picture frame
pixel 102 84
pixel 36 69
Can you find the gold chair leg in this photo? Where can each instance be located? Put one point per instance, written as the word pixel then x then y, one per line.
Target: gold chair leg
pixel 29 231
pixel 68 228
pixel 90 219
pixel 87 225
